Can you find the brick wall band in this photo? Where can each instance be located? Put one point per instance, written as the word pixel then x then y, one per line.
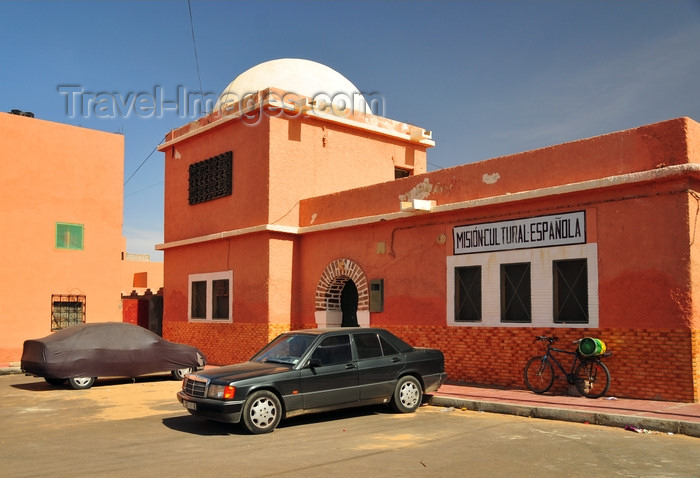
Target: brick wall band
pixel 646 364
pixel 223 343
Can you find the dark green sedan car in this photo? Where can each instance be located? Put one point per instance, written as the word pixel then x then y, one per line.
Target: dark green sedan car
pixel 315 370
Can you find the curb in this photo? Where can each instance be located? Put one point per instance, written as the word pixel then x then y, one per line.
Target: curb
pixel 11 368
pixel 596 418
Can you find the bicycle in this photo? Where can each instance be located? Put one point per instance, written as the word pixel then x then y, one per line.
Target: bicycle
pixel 591 376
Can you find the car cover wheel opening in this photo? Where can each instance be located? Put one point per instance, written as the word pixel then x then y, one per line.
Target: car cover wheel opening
pixel 81 383
pixel 262 412
pixel 180 373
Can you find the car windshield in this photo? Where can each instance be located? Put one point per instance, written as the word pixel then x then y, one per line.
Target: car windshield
pixel 286 349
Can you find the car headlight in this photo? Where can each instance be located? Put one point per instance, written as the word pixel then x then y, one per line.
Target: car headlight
pixel 222 392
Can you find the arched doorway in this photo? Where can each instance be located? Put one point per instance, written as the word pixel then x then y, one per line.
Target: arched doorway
pixel 348 304
pixel 342 296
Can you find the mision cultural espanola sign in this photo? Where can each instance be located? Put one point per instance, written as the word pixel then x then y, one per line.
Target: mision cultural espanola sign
pixel 541 231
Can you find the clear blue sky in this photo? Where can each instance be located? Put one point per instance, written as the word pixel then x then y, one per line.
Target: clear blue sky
pixel 488 78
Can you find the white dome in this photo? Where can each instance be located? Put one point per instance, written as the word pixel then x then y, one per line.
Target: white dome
pixel 302 77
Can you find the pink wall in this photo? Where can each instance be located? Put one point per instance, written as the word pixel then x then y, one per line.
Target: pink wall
pixel 644 251
pixel 247 205
pixel 641 149
pixel 324 192
pixel 276 161
pixel 57 173
pixel 312 158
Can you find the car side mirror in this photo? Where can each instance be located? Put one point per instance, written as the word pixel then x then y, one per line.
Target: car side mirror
pixel 313 363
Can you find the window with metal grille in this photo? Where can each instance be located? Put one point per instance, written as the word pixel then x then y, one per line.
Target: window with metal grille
pixel 67 310
pixel 69 236
pixel 570 291
pixel 219 299
pixel 198 301
pixel 468 294
pixel 211 178
pixel 515 293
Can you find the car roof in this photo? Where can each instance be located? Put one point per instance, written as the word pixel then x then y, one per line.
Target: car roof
pixel 330 330
pixel 396 341
pixel 102 332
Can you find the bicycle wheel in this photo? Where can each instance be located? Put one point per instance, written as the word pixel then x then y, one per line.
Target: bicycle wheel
pixel 592 378
pixel 539 374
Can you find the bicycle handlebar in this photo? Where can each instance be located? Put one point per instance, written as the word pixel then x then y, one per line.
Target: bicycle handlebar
pixel 548 339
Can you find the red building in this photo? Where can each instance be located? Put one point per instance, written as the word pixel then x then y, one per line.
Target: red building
pixel 285 209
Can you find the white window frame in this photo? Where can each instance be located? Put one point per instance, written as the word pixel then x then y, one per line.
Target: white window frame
pixel 209 278
pixel 542 284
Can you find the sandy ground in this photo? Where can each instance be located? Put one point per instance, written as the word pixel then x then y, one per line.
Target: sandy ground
pixel 107 400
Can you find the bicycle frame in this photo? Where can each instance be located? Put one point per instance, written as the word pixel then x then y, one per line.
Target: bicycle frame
pixel 548 356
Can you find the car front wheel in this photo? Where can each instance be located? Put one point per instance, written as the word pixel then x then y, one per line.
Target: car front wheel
pixel 81 383
pixel 262 412
pixel 407 395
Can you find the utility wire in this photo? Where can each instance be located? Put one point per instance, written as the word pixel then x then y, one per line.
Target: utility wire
pixel 143 162
pixel 144 189
pixel 199 78
pixel 194 44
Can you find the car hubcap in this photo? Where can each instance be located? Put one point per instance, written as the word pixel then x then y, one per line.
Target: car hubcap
pixel 409 394
pixel 83 381
pixel 263 413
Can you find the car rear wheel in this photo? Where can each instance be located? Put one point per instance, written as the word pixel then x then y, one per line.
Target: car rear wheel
pixel 81 383
pixel 262 412
pixel 180 373
pixel 407 395
pixel 55 381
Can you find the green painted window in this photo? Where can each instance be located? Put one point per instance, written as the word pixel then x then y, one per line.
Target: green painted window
pixel 69 236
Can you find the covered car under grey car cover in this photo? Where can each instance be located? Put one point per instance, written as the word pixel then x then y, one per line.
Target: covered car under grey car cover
pixel 106 349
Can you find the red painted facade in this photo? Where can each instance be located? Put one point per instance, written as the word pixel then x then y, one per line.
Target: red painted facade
pixel 314 204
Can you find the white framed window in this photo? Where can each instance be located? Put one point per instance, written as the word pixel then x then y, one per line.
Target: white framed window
pixel 210 297
pixel 546 286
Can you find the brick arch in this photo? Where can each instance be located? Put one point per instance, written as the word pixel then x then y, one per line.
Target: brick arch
pixel 330 286
pixel 332 281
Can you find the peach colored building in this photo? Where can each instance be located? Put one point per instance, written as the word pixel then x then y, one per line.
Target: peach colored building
pixel 287 211
pixel 62 249
pixel 140 275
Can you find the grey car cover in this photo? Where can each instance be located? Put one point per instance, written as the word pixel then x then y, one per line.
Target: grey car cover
pixel 107 349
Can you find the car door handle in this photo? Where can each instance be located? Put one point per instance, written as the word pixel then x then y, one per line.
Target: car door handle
pixel 395 359
pixel 350 365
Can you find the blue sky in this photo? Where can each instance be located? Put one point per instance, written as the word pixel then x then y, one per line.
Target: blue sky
pixel 488 78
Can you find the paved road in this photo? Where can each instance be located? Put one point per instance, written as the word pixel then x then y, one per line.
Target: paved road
pixel 119 428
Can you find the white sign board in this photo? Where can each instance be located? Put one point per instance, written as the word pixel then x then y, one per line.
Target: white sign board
pixel 542 231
